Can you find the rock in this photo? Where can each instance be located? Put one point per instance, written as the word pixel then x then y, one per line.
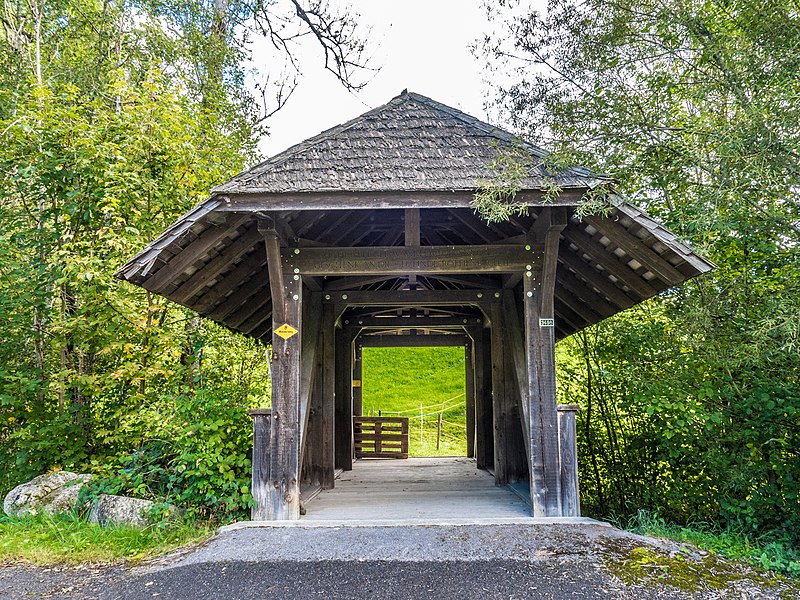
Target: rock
pixel 122 510
pixel 50 493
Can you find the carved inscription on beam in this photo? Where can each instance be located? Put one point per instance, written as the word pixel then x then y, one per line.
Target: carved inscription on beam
pixel 393 260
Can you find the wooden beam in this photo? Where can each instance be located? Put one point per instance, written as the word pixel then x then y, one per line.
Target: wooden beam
pixel 412 227
pixel 262 425
pixel 411 297
pixel 344 399
pixel 358 374
pixel 418 321
pixel 328 455
pixel 424 260
pixel 469 389
pixel 636 249
pixel 568 281
pixel 538 305
pixel 309 344
pixel 188 255
pixel 211 270
pixel 263 315
pixel 411 341
pixel 568 448
pixel 286 291
pixel 349 283
pixel 253 264
pixel 267 201
pixel 257 286
pixel 255 306
pixel 583 310
pixel 484 422
pixel 320 444
pixel 475 225
pixel 594 278
pixel 609 261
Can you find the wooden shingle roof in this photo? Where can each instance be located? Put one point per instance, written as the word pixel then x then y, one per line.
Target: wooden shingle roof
pixel 351 186
pixel 410 144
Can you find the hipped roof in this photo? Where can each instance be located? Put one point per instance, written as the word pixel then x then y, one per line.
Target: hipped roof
pixel 348 186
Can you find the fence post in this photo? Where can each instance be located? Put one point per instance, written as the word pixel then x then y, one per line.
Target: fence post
pixel 439 432
pixel 262 421
pixel 568 451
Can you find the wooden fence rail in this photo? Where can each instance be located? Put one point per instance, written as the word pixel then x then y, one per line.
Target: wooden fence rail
pixel 380 437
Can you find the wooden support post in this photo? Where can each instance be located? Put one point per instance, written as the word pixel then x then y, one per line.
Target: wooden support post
pixel 538 303
pixel 327 456
pixel 484 422
pixel 568 449
pixel 309 368
pixel 510 461
pixel 344 399
pixel 358 408
pixel 284 457
pixel 262 422
pixel 321 405
pixel 469 388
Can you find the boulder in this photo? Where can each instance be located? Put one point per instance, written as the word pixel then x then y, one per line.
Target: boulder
pixel 121 510
pixel 49 493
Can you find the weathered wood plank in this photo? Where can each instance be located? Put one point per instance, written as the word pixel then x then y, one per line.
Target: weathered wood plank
pixel 636 248
pixel 262 424
pixel 613 265
pixel 499 395
pixel 568 449
pixel 187 256
pixel 469 389
pixel 355 200
pixel 211 270
pixel 344 399
pixel 402 260
pixel 284 492
pixel 594 278
pixel 538 303
pixel 309 346
pixel 419 321
pixel 253 263
pixel 484 422
pixel 327 456
pixel 411 297
pixel 411 341
pixel 358 373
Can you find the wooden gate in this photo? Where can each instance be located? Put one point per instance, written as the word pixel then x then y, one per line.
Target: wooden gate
pixel 380 437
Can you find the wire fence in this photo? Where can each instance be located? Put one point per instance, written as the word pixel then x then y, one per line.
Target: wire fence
pixel 439 428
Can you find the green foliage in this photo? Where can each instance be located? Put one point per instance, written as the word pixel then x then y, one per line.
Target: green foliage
pixel 47 539
pixel 398 381
pixel 96 160
pixel 778 555
pixel 691 401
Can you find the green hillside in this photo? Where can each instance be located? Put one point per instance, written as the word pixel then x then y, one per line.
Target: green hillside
pixel 398 381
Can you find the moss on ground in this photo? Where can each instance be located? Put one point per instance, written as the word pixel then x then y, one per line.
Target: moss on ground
pixel 686 569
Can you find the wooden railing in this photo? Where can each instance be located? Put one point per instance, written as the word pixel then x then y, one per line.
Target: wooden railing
pixel 380 437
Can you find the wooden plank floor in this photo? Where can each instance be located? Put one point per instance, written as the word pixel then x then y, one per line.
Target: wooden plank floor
pixel 413 489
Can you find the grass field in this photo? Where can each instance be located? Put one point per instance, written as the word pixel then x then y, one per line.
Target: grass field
pixel 400 381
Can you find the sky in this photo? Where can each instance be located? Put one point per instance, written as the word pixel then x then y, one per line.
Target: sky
pixel 419 45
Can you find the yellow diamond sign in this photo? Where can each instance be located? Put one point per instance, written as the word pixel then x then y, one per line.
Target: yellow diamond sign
pixel 286 331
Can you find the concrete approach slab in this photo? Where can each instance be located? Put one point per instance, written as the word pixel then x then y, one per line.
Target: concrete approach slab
pixel 415 491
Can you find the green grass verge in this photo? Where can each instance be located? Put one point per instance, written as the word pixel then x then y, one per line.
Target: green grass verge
pixel 68 539
pixel 398 381
pixel 772 554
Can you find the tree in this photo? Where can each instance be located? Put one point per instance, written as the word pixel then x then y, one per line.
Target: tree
pixel 115 118
pixel 691 106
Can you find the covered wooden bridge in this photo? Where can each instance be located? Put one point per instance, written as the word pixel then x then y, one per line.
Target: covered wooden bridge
pixel 365 235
